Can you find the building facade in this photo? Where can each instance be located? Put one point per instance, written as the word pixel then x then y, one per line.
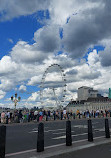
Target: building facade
pixel 86 92
pixel 91 100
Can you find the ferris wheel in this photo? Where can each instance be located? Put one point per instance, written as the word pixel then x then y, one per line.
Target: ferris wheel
pixel 54 88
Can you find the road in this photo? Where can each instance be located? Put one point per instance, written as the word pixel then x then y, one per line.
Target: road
pixel 23 137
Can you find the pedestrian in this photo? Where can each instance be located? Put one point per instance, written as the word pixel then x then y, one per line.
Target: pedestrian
pixel 41 115
pixel 3 117
pixel 71 114
pixel 54 114
pixel 61 114
pixel 48 114
pixel 64 113
pixel 74 115
pixel 68 115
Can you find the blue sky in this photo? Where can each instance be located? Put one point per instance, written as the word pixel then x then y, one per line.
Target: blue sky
pixel 36 34
pixel 21 28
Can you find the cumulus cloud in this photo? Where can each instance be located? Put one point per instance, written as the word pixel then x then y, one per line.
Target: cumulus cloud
pixel 93 58
pixel 52 96
pixel 23 52
pixel 33 97
pixel 7 66
pixel 87 29
pixel 34 80
pixel 72 72
pixel 65 61
pixel 2 105
pixel 47 38
pixel 60 11
pixel 7 84
pixel 16 8
pixel 22 88
pixel 2 94
pixel 105 56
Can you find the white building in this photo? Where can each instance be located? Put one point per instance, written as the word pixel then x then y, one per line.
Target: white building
pixel 86 92
pixel 89 99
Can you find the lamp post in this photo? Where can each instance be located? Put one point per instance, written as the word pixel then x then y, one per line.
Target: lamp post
pixel 15 100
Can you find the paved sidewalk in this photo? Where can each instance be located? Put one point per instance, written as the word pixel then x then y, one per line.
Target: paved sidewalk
pixel 34 122
pixel 100 151
pixel 51 121
pixel 100 147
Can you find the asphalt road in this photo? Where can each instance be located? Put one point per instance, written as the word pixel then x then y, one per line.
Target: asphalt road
pixel 23 137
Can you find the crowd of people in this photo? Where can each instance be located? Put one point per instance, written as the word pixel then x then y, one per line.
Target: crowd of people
pixel 20 116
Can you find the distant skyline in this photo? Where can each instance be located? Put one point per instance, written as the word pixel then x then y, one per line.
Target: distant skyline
pixel 35 34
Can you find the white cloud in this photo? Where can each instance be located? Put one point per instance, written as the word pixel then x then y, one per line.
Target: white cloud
pixel 2 94
pixel 47 38
pixel 16 8
pixel 35 80
pixel 7 84
pixel 33 97
pixel 7 66
pixel 105 56
pixel 23 52
pixel 22 88
pixel 1 105
pixel 60 10
pixel 93 58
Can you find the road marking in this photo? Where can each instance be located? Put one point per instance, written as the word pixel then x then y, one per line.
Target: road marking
pixel 62 132
pixel 52 146
pixel 48 130
pixel 78 126
pixel 33 132
pixel 100 129
pixel 81 126
pixel 62 137
pixel 37 128
pixel 56 130
pixel 59 133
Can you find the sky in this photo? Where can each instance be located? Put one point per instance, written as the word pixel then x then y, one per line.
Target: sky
pixel 35 34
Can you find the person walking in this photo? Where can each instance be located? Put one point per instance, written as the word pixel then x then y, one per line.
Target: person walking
pixel 41 115
pixel 64 114
pixel 3 117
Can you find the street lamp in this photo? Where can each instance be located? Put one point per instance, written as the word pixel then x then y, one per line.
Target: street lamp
pixel 15 100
